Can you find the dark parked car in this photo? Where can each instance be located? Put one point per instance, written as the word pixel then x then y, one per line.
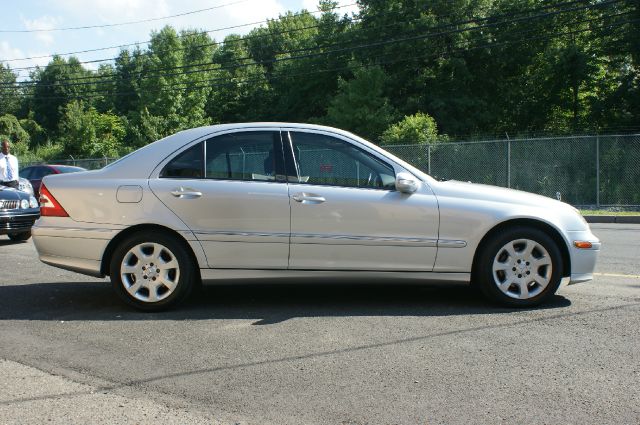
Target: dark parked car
pixel 35 173
pixel 18 211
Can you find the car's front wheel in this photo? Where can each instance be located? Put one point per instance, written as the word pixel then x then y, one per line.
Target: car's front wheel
pixel 520 267
pixel 19 237
pixel 152 272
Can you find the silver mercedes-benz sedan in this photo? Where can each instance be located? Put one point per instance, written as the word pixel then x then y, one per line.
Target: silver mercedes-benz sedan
pixel 279 199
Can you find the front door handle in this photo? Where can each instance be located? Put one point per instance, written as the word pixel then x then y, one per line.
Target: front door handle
pixel 186 193
pixel 308 198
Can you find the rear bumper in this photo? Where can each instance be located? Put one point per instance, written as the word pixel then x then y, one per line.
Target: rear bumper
pixel 78 265
pixel 79 249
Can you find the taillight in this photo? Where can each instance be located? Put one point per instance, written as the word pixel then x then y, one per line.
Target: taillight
pixel 49 206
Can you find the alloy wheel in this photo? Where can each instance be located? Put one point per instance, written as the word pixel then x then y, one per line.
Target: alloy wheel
pixel 522 269
pixel 149 272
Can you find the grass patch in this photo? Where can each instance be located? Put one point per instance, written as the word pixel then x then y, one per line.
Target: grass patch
pixel 608 212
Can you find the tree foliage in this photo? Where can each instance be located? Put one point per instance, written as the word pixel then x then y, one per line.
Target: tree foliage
pixel 474 67
pixel 9 99
pixel 87 132
pixel 60 82
pixel 10 127
pixel 415 129
pixel 361 104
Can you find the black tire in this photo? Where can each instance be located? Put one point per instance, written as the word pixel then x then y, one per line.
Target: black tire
pixel 20 237
pixel 488 281
pixel 183 276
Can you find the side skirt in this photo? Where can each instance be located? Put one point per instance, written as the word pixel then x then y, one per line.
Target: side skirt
pixel 330 277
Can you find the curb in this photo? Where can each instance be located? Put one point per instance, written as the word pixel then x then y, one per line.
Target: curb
pixel 634 219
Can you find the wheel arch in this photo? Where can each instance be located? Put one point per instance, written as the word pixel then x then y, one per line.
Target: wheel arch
pixel 551 231
pixel 113 244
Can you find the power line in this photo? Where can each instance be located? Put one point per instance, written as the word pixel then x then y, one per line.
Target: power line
pixel 107 79
pixel 128 22
pixel 567 3
pixel 201 46
pixel 137 43
pixel 474 20
pixel 175 87
pixel 217 67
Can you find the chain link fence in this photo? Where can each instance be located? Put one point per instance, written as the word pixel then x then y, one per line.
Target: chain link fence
pixel 585 171
pixel 88 163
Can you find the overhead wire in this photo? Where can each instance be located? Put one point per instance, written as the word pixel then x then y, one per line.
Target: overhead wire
pixel 108 90
pixel 215 66
pixel 185 36
pixel 208 9
pixel 241 39
pixel 138 43
pixel 444 52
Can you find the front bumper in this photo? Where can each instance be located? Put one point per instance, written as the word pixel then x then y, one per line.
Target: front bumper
pixel 583 261
pixel 17 221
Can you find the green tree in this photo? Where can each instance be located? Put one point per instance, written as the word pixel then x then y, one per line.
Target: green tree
pixel 310 60
pixel 9 92
pixel 87 132
pixel 419 128
pixel 60 82
pixel 173 85
pixel 361 105
pixel 418 48
pixel 10 127
pixel 197 49
pixel 143 128
pixel 241 91
pixel 105 86
pixel 37 134
pixel 128 69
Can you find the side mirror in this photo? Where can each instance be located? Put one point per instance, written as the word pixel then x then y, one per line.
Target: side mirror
pixel 406 183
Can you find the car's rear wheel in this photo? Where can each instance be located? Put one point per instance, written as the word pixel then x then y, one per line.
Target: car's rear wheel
pixel 520 267
pixel 19 237
pixel 152 272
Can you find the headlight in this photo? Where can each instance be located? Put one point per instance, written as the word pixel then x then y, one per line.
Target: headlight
pixel 24 204
pixel 33 202
pixel 25 186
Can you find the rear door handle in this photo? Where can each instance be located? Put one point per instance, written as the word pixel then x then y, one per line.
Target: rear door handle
pixel 186 193
pixel 308 198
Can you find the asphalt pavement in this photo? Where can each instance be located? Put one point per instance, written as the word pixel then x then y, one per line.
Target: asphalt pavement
pixel 312 353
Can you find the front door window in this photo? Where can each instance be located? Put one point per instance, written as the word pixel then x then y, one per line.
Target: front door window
pixel 325 160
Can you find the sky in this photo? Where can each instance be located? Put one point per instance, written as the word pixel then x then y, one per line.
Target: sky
pixel 28 49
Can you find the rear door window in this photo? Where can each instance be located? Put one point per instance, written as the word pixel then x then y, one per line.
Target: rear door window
pixel 251 155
